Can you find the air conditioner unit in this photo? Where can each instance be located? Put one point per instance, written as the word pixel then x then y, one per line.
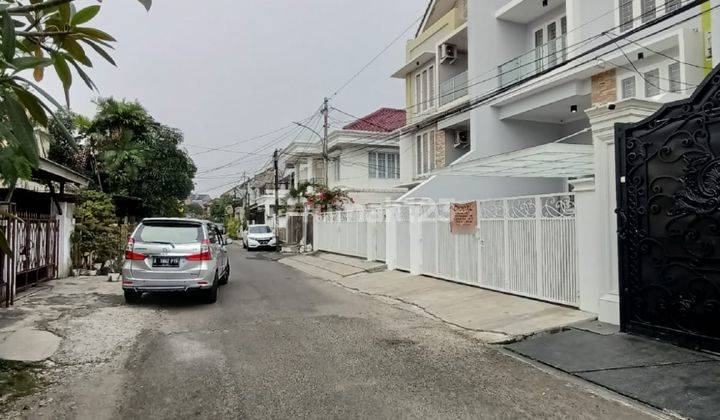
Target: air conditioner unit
pixel 462 140
pixel 448 53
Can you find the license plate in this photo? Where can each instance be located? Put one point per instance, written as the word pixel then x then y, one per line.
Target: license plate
pixel 166 262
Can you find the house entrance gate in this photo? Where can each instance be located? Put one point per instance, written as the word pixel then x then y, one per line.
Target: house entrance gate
pixel 668 183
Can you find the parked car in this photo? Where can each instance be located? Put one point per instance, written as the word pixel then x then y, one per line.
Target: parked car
pixel 175 255
pixel 259 236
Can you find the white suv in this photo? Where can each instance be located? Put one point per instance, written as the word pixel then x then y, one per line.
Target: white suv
pixel 259 236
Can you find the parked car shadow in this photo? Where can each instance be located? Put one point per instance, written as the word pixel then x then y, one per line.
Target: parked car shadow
pixel 172 300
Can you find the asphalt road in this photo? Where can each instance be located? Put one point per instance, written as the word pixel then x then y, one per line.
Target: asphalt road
pixel 280 344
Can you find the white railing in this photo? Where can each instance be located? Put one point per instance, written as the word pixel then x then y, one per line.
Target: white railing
pixel 454 88
pixel 522 245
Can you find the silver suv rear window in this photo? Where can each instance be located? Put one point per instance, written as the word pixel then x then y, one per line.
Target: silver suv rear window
pixel 174 233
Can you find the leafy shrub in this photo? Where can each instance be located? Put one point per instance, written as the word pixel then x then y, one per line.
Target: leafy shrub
pixel 97 237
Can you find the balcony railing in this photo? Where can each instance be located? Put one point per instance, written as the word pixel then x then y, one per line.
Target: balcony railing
pixel 454 88
pixel 533 62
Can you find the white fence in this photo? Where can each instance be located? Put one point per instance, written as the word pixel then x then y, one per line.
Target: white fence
pixel 522 245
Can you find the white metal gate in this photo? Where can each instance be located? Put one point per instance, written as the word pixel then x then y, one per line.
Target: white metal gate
pixel 522 245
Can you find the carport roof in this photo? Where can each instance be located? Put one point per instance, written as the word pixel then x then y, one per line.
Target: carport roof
pixel 552 160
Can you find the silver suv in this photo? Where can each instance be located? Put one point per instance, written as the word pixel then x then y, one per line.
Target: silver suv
pixel 175 255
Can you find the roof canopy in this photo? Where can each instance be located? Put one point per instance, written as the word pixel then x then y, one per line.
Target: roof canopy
pixel 552 160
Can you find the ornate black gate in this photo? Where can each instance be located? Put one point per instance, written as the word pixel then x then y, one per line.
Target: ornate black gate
pixel 668 180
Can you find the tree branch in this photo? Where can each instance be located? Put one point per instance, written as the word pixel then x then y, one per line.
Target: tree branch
pixel 36 7
pixel 40 33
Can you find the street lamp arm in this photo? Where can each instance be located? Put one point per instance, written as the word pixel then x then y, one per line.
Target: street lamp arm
pixel 306 127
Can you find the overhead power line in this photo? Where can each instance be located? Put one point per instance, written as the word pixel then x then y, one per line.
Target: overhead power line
pixel 378 55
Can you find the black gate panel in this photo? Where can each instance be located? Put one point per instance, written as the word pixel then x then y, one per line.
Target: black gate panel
pixel 668 183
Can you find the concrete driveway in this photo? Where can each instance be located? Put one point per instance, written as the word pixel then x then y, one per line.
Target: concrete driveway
pixel 278 344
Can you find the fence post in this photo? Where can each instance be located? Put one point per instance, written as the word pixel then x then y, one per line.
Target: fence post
pixel 539 245
pixel 370 220
pixel 317 235
pixel 306 212
pixel 506 245
pixel 416 242
pixel 391 242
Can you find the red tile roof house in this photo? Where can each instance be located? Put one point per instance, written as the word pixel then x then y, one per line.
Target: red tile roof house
pixel 363 156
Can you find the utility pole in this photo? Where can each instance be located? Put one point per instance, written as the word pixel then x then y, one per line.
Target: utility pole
pixel 277 199
pixel 326 113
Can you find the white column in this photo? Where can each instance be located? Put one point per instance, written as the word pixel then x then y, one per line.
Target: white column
pixel 306 213
pixel 391 240
pixel 416 241
pixel 587 237
pixel 602 122
pixel 66 225
pixel 715 30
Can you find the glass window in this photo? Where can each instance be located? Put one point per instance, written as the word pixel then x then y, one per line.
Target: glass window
pixel 169 233
pixel 647 8
pixel 212 234
pixel 652 83
pixel 418 93
pixel 372 164
pixel 671 5
pixel 431 150
pixel 628 87
pixel 336 169
pixel 538 49
pixel 418 154
pixel 382 165
pixel 626 15
pixel 431 87
pixel 674 76
pixel 259 229
pixel 425 149
pixel 392 165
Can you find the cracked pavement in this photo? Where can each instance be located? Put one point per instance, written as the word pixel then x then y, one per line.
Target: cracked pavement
pixel 279 343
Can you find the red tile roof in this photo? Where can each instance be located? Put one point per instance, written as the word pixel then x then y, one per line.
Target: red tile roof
pixel 383 120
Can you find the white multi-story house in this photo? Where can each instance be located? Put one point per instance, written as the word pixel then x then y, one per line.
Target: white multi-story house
pixel 363 159
pixel 441 73
pixel 542 83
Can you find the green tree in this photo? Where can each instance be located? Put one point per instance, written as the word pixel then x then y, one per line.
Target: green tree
pixel 97 234
pixel 139 157
pixel 67 150
pixel 194 210
pixel 35 35
pixel 218 209
pixel 232 226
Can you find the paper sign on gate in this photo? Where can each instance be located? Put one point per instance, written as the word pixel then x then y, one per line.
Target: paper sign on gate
pixel 463 218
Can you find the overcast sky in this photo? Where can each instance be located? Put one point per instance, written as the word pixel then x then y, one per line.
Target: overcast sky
pixel 227 70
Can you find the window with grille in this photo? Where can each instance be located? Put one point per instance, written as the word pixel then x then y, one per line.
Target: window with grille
pixel 674 76
pixel 652 83
pixel 647 8
pixel 628 87
pixel 384 165
pixel 626 15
